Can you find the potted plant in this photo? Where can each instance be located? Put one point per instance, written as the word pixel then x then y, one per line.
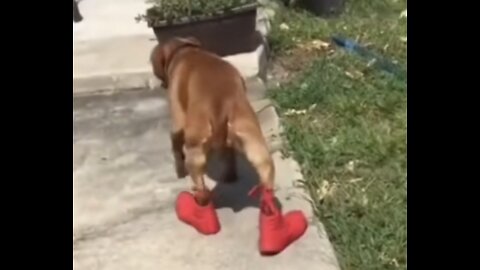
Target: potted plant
pixel 224 27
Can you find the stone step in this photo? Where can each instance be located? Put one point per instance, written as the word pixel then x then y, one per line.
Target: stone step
pixel 122 63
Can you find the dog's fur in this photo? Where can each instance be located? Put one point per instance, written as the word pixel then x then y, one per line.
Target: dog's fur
pixel 209 110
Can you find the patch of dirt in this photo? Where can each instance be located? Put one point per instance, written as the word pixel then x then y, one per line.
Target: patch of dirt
pixel 284 67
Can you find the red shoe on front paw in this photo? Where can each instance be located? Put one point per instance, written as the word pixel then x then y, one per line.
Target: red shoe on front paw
pixel 203 218
pixel 278 231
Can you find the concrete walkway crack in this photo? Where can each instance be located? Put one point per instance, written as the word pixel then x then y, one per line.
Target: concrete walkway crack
pixel 105 230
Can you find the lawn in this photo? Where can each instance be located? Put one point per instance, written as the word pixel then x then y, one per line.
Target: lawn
pixel 345 122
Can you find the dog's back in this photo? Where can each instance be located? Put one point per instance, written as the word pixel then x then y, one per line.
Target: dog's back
pixel 212 93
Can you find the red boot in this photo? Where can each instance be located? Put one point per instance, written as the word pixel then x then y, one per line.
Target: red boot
pixel 203 218
pixel 277 232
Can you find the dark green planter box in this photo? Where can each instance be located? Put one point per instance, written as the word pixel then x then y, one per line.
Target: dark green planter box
pixel 224 34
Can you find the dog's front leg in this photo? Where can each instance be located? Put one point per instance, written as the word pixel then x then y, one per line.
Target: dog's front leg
pixel 177 139
pixel 177 135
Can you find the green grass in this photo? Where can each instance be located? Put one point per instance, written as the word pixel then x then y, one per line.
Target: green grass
pixel 351 141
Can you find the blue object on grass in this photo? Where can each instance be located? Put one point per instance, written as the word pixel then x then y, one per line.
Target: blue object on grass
pixel 379 61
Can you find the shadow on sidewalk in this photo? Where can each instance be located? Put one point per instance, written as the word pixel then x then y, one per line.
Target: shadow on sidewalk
pixel 234 195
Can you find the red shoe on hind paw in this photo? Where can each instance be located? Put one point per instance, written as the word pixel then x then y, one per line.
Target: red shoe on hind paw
pixel 203 218
pixel 277 231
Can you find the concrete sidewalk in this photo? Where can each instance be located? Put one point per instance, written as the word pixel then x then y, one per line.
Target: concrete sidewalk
pixel 125 187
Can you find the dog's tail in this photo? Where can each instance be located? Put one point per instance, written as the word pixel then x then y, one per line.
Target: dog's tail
pixel 219 118
pixel 223 113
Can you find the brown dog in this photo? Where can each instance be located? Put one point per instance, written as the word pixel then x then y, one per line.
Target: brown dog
pixel 209 110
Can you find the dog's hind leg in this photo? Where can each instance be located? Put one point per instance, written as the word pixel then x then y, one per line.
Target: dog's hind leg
pixel 248 139
pixel 196 162
pixel 277 231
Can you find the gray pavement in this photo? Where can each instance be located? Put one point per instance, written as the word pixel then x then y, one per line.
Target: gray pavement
pixel 125 187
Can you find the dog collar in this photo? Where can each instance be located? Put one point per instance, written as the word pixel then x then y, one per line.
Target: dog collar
pixel 168 61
